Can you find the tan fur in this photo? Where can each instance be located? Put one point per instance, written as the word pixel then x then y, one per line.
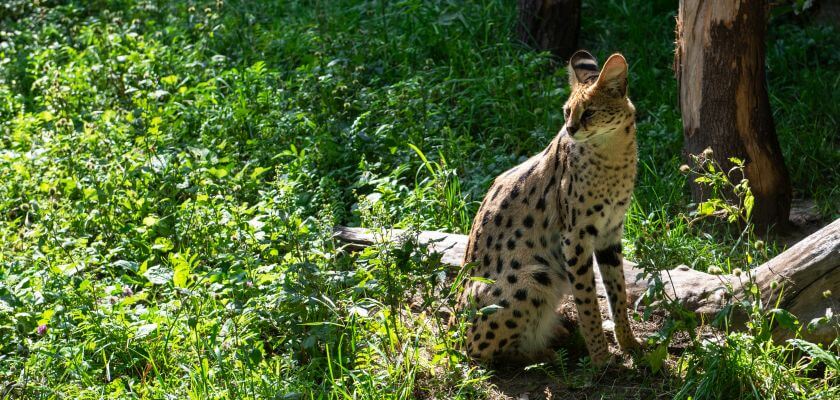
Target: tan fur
pixel 542 221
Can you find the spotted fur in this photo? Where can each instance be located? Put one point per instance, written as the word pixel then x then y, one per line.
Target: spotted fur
pixel 544 221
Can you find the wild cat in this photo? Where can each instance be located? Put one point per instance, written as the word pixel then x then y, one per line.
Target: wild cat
pixel 542 222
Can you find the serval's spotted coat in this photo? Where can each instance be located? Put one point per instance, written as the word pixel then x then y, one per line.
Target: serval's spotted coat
pixel 542 221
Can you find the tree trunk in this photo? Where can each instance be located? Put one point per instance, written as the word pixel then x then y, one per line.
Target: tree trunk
pixel 552 25
pixel 807 278
pixel 719 64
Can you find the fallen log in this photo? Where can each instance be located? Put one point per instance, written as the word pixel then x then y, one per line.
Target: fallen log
pixel 804 280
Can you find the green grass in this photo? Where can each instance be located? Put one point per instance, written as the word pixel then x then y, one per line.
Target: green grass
pixel 170 173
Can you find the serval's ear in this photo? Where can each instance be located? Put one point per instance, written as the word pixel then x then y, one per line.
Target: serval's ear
pixel 583 68
pixel 613 77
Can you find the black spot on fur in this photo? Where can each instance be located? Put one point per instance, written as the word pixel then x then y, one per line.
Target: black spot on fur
pixel 542 278
pixel 489 241
pixel 586 266
pixel 505 204
pixel 483 345
pixel 528 222
pixel 537 302
pixel 509 222
pixel 495 193
pixel 598 207
pixel 497 292
pixel 503 342
pixel 498 220
pixel 515 264
pixel 517 314
pixel 489 335
pixel 511 278
pixel 494 325
pixel 510 324
pixel 518 233
pixel 591 230
pixel 550 184
pixel 511 244
pixel 609 256
pixel 504 303
pixel 499 265
pixel 530 244
pixel 572 261
pixel 579 286
pixel 541 204
pixel 540 260
pixel 514 193
pixel 578 250
pixel 486 260
pixel 521 295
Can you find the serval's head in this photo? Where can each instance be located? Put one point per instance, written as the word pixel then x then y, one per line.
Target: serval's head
pixel 598 103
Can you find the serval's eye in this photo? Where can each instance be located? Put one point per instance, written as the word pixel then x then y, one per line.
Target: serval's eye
pixel 586 115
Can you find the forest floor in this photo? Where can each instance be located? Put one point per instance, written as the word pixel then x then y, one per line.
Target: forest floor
pixel 171 171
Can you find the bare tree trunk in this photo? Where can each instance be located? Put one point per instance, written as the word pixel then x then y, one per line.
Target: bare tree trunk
pixel 552 25
pixel 719 63
pixel 806 276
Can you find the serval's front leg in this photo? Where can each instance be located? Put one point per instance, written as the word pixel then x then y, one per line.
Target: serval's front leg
pixel 610 262
pixel 578 253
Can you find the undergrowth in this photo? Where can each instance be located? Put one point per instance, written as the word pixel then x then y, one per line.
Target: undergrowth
pixel 170 173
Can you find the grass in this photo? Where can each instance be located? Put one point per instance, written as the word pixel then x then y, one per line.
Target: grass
pixel 170 173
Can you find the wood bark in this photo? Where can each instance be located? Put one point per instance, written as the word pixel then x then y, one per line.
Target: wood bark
pixel 719 64
pixel 806 276
pixel 550 25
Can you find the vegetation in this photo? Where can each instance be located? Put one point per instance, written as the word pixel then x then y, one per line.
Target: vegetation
pixel 170 172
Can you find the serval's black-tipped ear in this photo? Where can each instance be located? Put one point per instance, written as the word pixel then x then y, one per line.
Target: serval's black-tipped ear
pixel 583 68
pixel 613 77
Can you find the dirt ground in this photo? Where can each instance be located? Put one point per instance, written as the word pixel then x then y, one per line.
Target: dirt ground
pixel 623 379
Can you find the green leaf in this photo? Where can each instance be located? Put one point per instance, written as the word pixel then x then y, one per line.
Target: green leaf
pixel 158 275
pixel 656 358
pixel 150 220
pixel 257 172
pixel 145 330
pixel 181 273
pixel 706 208
pixel 749 202
pixel 218 172
pixel 162 244
pixel 490 309
pixel 785 318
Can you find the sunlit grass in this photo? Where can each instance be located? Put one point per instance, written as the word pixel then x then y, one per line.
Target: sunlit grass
pixel 170 173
